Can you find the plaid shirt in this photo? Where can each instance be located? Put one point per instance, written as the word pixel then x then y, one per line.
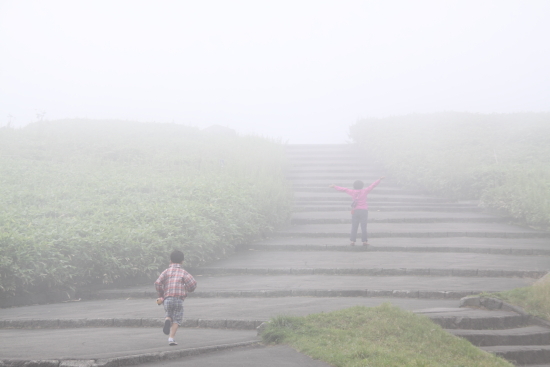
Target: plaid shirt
pixel 175 282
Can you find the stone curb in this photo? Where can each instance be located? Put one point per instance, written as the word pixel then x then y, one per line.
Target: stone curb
pixel 97 323
pixel 347 248
pixel 418 234
pixel 422 294
pixel 380 190
pixel 131 360
pixel 323 177
pixel 386 203
pixel 491 303
pixel 372 199
pixel 300 221
pixel 494 273
pixel 387 209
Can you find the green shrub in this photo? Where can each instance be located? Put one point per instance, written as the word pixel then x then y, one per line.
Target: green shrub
pixel 94 202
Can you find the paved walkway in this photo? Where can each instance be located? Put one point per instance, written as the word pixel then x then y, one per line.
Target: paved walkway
pixel 425 253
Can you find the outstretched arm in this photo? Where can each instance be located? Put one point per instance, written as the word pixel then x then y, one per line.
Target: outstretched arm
pixel 374 184
pixel 343 189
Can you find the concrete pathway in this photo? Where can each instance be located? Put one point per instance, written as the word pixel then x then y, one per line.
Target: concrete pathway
pixel 425 254
pixel 109 342
pixel 279 355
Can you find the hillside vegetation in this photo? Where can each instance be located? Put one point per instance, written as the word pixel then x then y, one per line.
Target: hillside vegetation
pixel 383 336
pixel 534 299
pixel 94 202
pixel 501 159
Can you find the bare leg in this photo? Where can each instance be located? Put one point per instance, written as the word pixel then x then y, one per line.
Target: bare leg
pixel 173 330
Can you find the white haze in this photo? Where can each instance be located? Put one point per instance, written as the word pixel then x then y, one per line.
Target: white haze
pixel 302 71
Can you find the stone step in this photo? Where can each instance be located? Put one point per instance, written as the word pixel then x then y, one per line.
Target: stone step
pixel 416 230
pixel 331 194
pixel 400 216
pixel 526 355
pixel 113 346
pixel 374 213
pixel 348 155
pixel 358 248
pixel 375 204
pixel 317 148
pixel 389 208
pixel 319 293
pixel 336 217
pixel 385 190
pixel 344 180
pixel 333 169
pixel 247 309
pixel 251 356
pixel 157 322
pixel 391 187
pixel 311 163
pixel 528 335
pixel 528 246
pixel 342 235
pixel 254 285
pixel 377 272
pixel 328 158
pixel 323 185
pixel 474 319
pixel 299 221
pixel 329 199
pixel 381 263
pixel 322 147
pixel 367 178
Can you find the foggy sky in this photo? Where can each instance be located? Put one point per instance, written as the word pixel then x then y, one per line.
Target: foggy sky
pixel 302 71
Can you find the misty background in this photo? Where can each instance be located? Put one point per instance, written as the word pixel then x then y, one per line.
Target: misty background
pixel 302 71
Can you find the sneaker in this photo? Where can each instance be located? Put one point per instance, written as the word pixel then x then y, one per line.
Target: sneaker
pixel 172 342
pixel 167 326
pixel 366 243
pixel 352 244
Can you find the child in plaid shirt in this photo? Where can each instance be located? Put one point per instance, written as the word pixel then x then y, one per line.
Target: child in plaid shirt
pixel 172 287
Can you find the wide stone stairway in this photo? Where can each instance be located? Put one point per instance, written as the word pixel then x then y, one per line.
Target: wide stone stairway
pixel 425 254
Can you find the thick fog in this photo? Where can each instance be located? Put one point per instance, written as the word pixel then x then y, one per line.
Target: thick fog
pixel 302 71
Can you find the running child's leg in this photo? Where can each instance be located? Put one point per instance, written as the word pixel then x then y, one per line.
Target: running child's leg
pixel 173 330
pixel 177 317
pixel 168 314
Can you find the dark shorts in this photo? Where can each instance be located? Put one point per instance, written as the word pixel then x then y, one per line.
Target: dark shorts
pixel 173 307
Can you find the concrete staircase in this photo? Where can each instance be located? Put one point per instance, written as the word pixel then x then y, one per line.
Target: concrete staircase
pixel 506 331
pixel 426 254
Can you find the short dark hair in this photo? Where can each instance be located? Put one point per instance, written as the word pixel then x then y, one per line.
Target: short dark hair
pixel 177 257
pixel 358 185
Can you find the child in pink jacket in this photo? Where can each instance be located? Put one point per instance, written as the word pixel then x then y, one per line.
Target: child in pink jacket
pixel 360 208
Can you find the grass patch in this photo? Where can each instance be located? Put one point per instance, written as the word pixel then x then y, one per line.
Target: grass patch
pixel 381 336
pixel 499 159
pixel 87 202
pixel 534 299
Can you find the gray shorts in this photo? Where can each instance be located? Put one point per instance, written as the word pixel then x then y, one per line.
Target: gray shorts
pixel 173 307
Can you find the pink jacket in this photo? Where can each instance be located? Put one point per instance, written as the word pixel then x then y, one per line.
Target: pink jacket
pixel 359 195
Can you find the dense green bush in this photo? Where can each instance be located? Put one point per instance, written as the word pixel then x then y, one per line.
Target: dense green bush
pixel 88 202
pixel 501 159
